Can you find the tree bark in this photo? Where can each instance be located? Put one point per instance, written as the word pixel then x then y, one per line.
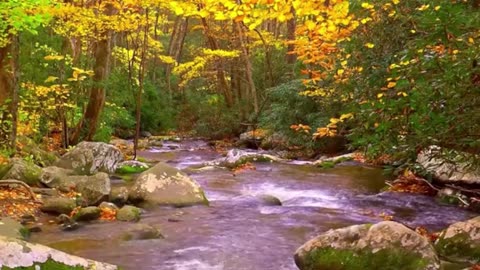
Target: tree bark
pixel 15 87
pixel 248 67
pixel 222 85
pixel 6 89
pixel 175 46
pixel 291 26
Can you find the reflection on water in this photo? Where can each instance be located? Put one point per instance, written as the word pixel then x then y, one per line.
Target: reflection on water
pixel 239 231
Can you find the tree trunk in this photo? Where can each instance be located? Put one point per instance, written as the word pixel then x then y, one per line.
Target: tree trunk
pixel 175 46
pixel 88 124
pixel 248 67
pixel 15 87
pixel 291 26
pixel 6 89
pixel 222 84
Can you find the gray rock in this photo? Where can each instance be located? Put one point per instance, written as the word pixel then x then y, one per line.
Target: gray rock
pixel 452 170
pixel 166 185
pixel 58 205
pixel 17 253
pixel 385 245
pixel 23 171
pixel 145 134
pixel 88 214
pixel 55 177
pixel 334 160
pixel 91 157
pixel 236 157
pixel 12 228
pixel 142 232
pixel 460 242
pixel 129 213
pixel 94 189
pixel 119 195
pixel 270 200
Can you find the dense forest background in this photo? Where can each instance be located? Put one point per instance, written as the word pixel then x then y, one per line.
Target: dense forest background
pixel 386 77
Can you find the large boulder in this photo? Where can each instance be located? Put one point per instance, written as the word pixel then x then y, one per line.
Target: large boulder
pixel 165 185
pixel 94 189
pixel 385 245
pixel 18 254
pixel 59 178
pixel 91 157
pixel 452 169
pixel 24 171
pixel 460 241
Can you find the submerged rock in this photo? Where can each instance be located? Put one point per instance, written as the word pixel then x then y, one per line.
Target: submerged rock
pixel 452 170
pixel 129 213
pixel 460 241
pixel 385 245
pixel 142 232
pixel 166 185
pixel 91 157
pixel 332 161
pixel 270 200
pixel 16 253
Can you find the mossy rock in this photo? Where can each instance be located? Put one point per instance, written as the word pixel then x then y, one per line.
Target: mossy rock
pixel 385 259
pixel 88 214
pixel 129 213
pixel 130 170
pixel 386 245
pixel 23 171
pixel 459 248
pixel 47 265
pixel 58 205
pixel 142 232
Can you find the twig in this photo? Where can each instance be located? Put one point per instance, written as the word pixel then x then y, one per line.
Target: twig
pixel 20 183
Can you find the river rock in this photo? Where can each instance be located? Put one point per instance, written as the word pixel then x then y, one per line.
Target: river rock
pixel 166 185
pixel 24 171
pixel 129 213
pixel 252 138
pixel 385 245
pixel 55 177
pixel 460 241
pixel 12 228
pixel 270 200
pixel 58 205
pixel 18 254
pixel 88 214
pixel 142 232
pixel 108 205
pixel 236 157
pixel 452 170
pixel 91 157
pixel 94 189
pixel 332 161
pixel 119 195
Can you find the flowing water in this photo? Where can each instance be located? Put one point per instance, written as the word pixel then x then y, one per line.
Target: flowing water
pixel 239 230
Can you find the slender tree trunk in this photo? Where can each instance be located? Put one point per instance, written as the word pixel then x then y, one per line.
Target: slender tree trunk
pixel 248 67
pixel 6 89
pixel 175 46
pixel 291 27
pixel 222 85
pixel 141 78
pixel 16 80
pixel 89 122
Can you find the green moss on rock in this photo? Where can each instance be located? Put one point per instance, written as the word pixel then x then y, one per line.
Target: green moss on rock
pixel 48 265
pixel 458 248
pixel 385 259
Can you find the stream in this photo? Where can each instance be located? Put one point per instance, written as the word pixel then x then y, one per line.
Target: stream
pixel 240 231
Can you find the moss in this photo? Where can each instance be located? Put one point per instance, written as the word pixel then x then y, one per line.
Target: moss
pixel 24 232
pixel 385 259
pixel 458 248
pixel 130 169
pixel 246 159
pixel 4 168
pixel 48 265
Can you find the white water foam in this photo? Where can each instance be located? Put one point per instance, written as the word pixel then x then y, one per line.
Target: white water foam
pixel 196 264
pixel 295 197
